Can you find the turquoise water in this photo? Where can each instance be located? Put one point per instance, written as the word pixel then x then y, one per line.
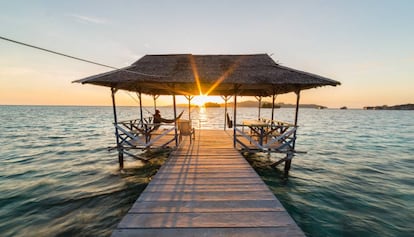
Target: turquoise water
pixel 57 177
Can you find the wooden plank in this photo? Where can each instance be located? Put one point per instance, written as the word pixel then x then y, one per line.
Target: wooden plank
pixel 215 166
pixel 191 168
pixel 230 219
pixel 205 196
pixel 190 154
pixel 180 172
pixel 206 206
pixel 285 231
pixel 207 188
pixel 204 181
pixel 213 155
pixel 213 174
pixel 211 166
pixel 208 162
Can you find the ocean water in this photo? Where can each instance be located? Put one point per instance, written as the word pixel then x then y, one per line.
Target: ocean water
pixel 57 177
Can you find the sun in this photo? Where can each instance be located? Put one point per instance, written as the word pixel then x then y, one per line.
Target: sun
pixel 200 100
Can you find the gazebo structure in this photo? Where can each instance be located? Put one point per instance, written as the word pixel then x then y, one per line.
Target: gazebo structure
pixel 224 75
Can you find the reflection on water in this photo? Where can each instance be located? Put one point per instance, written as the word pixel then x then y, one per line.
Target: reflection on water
pixel 202 116
pixel 57 177
pixel 202 112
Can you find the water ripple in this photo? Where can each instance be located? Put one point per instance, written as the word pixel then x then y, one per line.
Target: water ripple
pixel 58 179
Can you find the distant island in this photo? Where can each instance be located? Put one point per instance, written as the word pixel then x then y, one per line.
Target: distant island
pixel 250 103
pixel 255 104
pixel 212 104
pixel 269 105
pixel 395 107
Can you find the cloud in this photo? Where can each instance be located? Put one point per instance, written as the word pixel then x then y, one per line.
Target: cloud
pixel 89 19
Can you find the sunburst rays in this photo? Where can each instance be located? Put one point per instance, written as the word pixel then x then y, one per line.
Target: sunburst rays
pixel 217 82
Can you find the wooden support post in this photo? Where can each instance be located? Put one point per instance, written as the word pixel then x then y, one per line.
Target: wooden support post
pixel 155 97
pixel 189 98
pixel 289 161
pixel 259 98
pixel 296 115
pixel 273 107
pixel 225 98
pixel 235 115
pixel 225 112
pixel 175 121
pixel 140 108
pixel 118 145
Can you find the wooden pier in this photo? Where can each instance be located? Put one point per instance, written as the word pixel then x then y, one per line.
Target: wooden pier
pixel 207 188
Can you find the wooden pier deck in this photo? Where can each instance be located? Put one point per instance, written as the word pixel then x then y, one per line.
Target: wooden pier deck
pixel 207 189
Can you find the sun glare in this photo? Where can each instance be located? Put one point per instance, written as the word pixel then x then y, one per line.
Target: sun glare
pixel 200 100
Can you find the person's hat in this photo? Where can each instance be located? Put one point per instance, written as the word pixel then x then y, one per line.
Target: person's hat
pixel 157 111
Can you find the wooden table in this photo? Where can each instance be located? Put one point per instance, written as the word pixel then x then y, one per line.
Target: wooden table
pixel 258 128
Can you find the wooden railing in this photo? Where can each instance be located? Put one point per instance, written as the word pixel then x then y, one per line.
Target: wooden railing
pixel 143 134
pixel 266 135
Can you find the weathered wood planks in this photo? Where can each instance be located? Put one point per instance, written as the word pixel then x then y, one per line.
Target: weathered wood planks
pixel 207 189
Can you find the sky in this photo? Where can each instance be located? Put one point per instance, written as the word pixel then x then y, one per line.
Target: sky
pixel 366 45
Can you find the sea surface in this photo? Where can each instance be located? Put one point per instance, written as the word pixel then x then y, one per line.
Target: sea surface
pixel 57 177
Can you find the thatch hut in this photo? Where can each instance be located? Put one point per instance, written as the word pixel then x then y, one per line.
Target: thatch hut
pixel 252 75
pixel 190 75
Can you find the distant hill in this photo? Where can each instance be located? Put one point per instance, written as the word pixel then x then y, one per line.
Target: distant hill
pixel 395 107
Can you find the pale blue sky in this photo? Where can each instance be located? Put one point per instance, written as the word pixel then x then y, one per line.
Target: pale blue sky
pixel 367 45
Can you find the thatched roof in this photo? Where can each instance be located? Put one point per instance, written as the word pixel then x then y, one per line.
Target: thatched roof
pixel 255 74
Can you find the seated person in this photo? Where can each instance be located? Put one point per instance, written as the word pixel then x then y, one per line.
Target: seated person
pixel 158 119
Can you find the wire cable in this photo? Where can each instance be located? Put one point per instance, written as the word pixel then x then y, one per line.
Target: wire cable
pixel 73 57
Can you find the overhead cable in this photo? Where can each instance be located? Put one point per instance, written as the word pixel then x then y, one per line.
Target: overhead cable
pixel 73 57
